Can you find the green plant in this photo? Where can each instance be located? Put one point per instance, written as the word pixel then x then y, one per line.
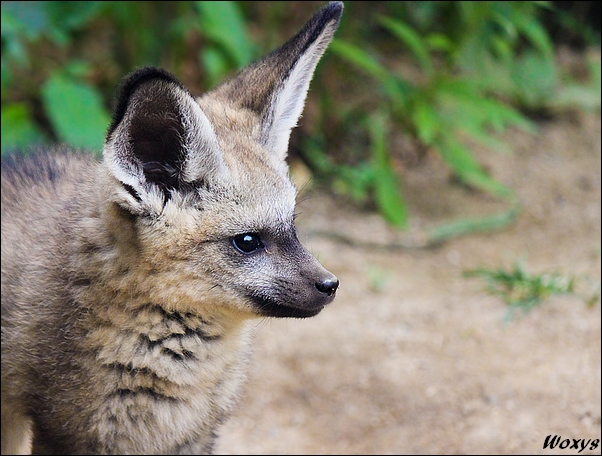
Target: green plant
pixel 522 290
pixel 482 65
pixel 377 278
pixel 55 90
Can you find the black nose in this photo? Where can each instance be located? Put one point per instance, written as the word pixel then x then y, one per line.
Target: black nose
pixel 328 286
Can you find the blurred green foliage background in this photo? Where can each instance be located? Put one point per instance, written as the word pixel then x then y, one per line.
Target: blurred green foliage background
pixel 440 75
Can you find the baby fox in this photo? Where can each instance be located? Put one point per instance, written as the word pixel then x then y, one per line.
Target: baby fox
pixel 127 284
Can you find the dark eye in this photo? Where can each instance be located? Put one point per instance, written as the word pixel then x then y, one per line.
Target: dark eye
pixel 247 243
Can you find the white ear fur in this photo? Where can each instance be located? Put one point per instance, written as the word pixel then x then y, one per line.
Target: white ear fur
pixel 288 100
pixel 204 158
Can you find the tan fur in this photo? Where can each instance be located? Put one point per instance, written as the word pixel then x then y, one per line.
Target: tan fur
pixel 127 285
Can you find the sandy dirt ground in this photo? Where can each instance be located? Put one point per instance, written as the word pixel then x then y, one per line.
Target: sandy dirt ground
pixel 412 357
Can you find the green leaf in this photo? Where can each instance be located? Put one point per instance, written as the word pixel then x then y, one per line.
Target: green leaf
pixel 533 29
pixel 27 18
pixel 223 23
pixel 440 42
pixel 467 108
pixel 359 58
pixel 72 15
pixel 507 25
pixel 75 111
pixel 396 89
pixel 215 64
pixel 411 39
pixel 521 289
pixel 354 181
pixel 485 223
pixel 387 196
pixel 426 121
pixel 462 162
pixel 387 193
pixel 314 153
pixel 503 49
pixel 535 79
pixel 18 129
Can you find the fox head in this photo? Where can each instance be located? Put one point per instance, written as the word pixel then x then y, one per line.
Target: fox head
pixel 200 187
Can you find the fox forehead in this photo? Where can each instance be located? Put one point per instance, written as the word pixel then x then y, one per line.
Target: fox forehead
pixel 259 192
pixel 238 132
pixel 182 228
pixel 252 204
pixel 262 200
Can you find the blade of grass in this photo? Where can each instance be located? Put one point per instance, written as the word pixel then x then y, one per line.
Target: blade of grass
pixel 465 166
pixel 464 226
pixel 223 23
pixel 397 89
pixel 411 39
pixel 386 186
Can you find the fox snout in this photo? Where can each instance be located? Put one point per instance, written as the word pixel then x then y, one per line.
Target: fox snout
pixel 325 288
pixel 294 302
pixel 284 279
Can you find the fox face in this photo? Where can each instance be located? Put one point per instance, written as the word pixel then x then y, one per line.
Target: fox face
pixel 200 197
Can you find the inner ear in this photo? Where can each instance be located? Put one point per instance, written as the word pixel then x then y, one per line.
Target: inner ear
pixel 156 139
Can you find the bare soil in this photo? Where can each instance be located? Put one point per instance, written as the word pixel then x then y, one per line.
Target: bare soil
pixel 412 357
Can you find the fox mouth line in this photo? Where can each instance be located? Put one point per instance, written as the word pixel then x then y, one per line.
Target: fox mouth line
pixel 269 307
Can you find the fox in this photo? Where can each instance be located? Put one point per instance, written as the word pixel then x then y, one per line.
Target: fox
pixel 130 283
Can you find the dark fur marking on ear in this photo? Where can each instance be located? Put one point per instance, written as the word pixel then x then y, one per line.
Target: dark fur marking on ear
pixel 128 86
pixel 155 131
pixel 131 191
pixel 161 173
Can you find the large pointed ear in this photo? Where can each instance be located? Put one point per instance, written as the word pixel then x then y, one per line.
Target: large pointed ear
pixel 160 139
pixel 275 87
